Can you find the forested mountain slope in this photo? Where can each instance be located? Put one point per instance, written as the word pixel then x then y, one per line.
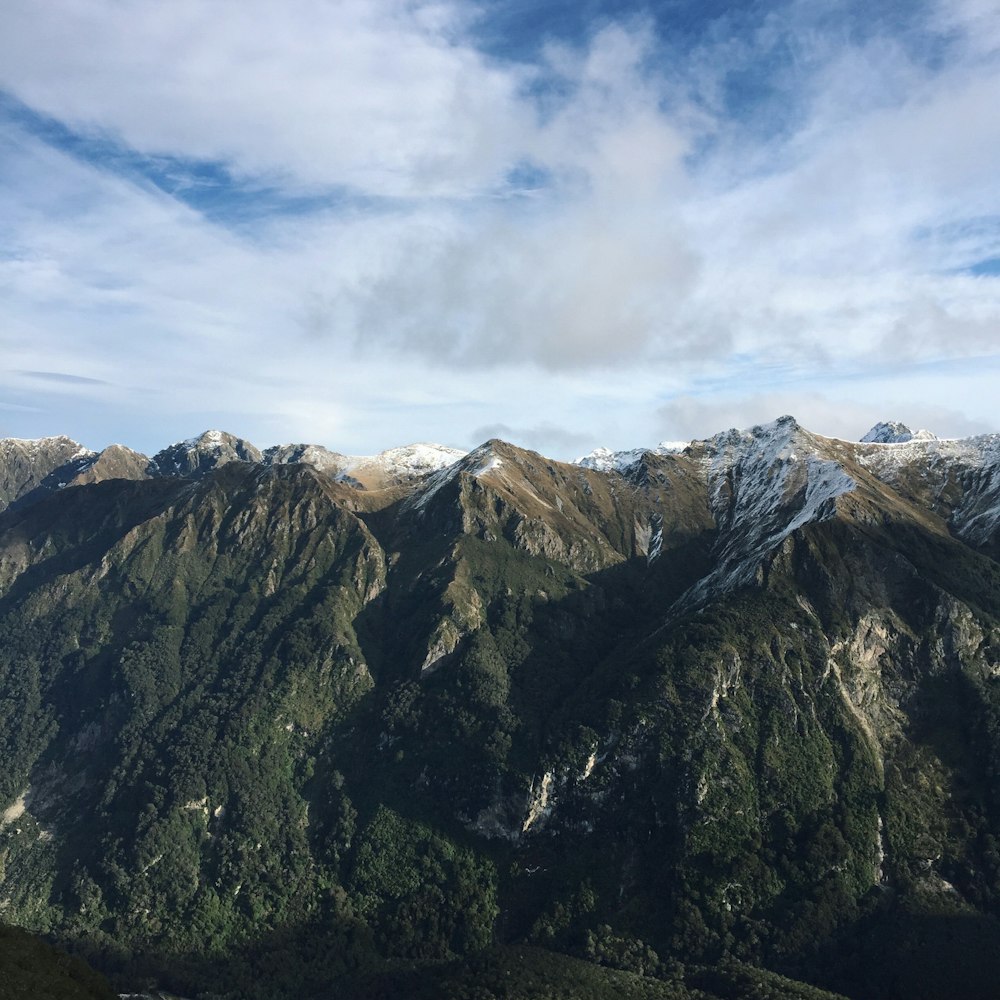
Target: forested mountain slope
pixel 265 730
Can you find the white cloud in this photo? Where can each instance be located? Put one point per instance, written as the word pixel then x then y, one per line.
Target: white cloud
pixel 369 94
pixel 667 242
pixel 976 21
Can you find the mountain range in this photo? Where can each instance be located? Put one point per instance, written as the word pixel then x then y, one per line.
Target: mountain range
pixel 717 718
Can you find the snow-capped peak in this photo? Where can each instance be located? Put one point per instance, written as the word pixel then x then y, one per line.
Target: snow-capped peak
pixel 205 440
pixel 602 459
pixel 212 439
pixel 477 463
pixel 388 467
pixel 408 460
pixel 764 483
pixel 605 460
pixel 197 455
pixel 32 446
pixel 888 432
pixel 894 432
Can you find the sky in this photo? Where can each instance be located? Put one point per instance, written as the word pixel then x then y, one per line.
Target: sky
pixel 363 223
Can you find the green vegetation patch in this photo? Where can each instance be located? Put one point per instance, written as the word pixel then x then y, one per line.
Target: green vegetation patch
pixel 30 969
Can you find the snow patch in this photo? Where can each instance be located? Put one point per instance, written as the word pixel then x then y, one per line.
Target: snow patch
pixel 605 460
pixel 494 462
pixel 763 484
pixel 208 439
pixel 656 539
pixel 427 489
pixel 880 876
pixel 601 459
pixel 887 459
pixel 888 432
pixel 408 461
pixel 477 462
pixel 33 448
pixel 317 456
pixel 973 462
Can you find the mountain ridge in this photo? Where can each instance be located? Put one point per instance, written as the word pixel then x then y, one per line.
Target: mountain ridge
pixel 212 448
pixel 735 701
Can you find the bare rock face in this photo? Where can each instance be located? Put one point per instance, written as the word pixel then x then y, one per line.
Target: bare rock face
pixel 114 462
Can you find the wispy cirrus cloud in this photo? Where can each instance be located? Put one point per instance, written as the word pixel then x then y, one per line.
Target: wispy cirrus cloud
pixel 65 378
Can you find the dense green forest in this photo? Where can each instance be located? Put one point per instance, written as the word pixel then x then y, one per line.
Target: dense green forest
pixel 265 735
pixel 30 969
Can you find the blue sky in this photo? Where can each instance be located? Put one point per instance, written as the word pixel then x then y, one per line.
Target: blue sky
pixel 368 222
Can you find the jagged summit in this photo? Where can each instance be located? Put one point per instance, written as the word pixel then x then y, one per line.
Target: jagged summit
pixel 207 451
pixel 486 458
pixel 387 468
pixel 894 432
pixel 320 458
pixel 888 432
pixel 392 467
pixel 405 462
pixel 606 460
pixel 38 444
pixel 115 462
pixel 727 464
pixel 198 455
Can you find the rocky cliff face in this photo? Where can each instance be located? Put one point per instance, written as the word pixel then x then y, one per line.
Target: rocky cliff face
pixel 738 698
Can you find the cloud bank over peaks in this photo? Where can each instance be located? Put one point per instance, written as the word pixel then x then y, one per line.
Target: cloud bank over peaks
pixel 663 200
